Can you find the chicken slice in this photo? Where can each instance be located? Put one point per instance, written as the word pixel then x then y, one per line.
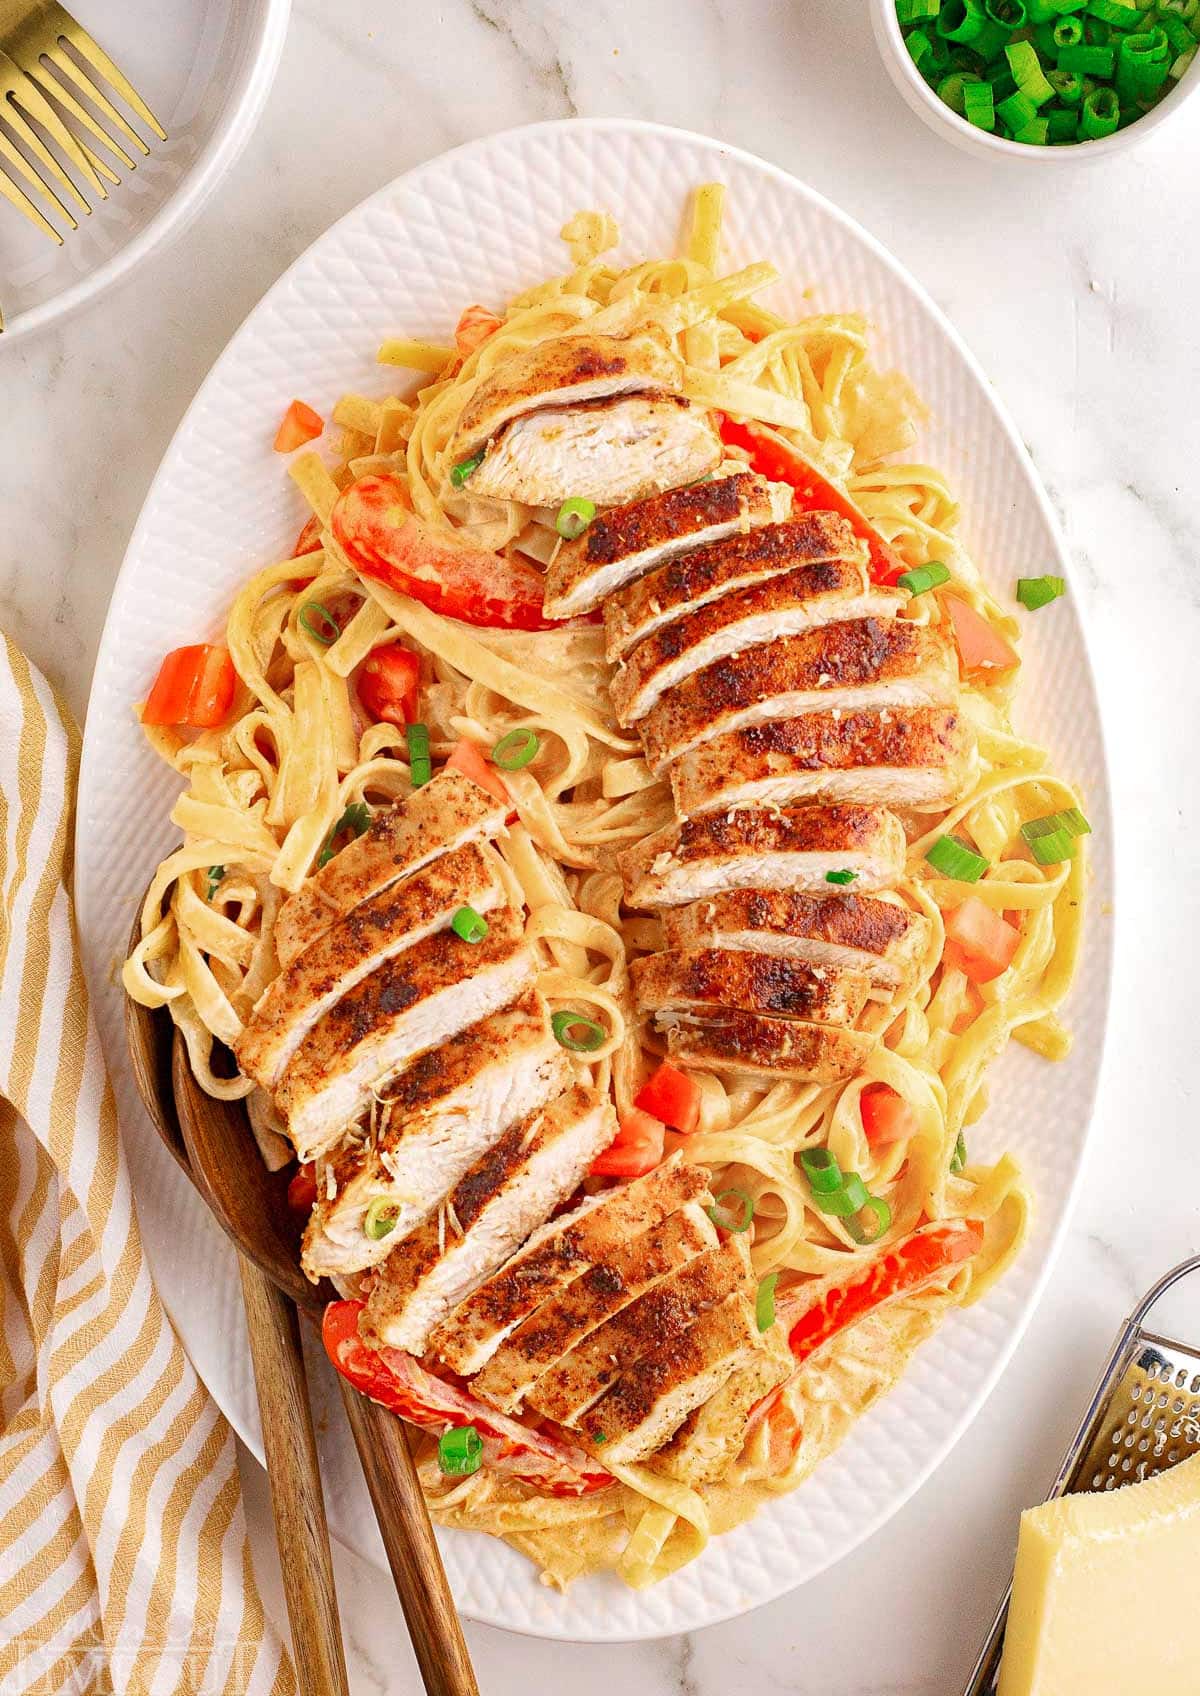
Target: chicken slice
pixel 420 998
pixel 443 814
pixel 520 1180
pixel 648 1405
pixel 444 1110
pixel 662 1313
pixel 861 663
pixel 702 979
pixel 607 451
pixel 875 934
pixel 563 371
pixel 919 757
pixel 559 1325
pixel 704 574
pixel 761 848
pixel 631 540
pixel 556 1254
pixel 377 930
pixel 762 1046
pixel 713 1436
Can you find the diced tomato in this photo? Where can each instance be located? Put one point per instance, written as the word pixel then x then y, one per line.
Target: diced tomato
pixel 387 684
pixel 300 424
pixel 466 757
pixel 777 460
pixel 474 328
pixel 309 539
pixel 980 647
pixel 383 538
pixel 397 1381
pixel 886 1116
pixel 983 942
pixel 784 1433
pixel 673 1097
pixel 916 1261
pixel 194 688
pixel 302 1191
pixel 638 1147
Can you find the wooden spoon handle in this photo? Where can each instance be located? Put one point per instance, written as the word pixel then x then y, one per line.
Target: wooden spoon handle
pixel 296 1500
pixel 412 1551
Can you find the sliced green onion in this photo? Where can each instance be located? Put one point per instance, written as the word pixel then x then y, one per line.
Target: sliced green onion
pixel 469 924
pixel 1009 14
pixel 921 578
pixel 1183 63
pixel 460 472
pixel 1052 839
pixel 951 856
pixel 1101 114
pixel 764 1305
pixel 1068 86
pixel 1035 592
pixel 1017 111
pixel 1068 32
pixel 919 47
pixel 1090 61
pixel 565 1023
pixel 721 1218
pixel 1177 33
pixel 959 1158
pixel 1115 12
pixel 979 105
pixel 1036 133
pixel 312 614
pixel 356 818
pixel 1186 10
pixel 950 89
pixel 382 1217
pixel 1064 125
pixel 1053 848
pixel 851 1198
pixel 420 766
pixel 882 1214
pixel 820 1167
pixel 917 11
pixel 215 874
pixel 1027 69
pixel 842 877
pixel 574 516
pixel 516 750
pixel 460 1451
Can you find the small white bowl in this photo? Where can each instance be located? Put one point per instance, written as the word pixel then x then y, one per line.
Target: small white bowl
pixel 205 67
pixel 923 100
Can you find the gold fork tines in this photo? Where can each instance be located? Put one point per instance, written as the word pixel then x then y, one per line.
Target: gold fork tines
pixel 41 34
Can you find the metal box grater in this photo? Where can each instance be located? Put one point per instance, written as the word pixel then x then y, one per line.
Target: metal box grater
pixel 1143 1416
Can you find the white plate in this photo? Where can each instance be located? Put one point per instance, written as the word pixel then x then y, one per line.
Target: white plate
pixel 204 67
pixel 479 224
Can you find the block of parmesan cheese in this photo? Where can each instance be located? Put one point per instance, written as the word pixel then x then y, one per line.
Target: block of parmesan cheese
pixel 1106 1592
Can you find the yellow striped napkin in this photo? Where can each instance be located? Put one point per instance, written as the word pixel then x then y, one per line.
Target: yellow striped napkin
pixel 123 1557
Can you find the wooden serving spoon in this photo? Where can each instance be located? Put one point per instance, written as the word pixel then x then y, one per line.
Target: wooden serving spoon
pixel 212 1142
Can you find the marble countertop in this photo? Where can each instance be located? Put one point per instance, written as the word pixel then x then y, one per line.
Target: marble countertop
pixel 1076 289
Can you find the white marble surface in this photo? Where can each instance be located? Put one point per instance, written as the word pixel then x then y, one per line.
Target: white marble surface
pixel 1077 290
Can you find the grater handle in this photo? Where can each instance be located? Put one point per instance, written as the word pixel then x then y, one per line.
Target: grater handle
pixel 1156 1292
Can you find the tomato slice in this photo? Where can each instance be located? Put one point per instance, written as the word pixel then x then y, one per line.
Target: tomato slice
pixel 300 424
pixel 777 460
pixel 981 942
pixel 886 1116
pixel 914 1262
pixel 194 688
pixel 383 538
pixel 673 1097
pixel 302 1190
pixel 474 328
pixel 388 682
pixel 980 648
pixel 399 1382
pixel 637 1149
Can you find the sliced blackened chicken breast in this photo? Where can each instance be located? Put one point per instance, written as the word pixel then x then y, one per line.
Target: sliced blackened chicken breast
pixel 764 1046
pixel 560 1324
pixel 919 757
pixel 443 814
pixel 606 452
pixel 647 1325
pixel 446 1109
pixel 564 371
pixel 428 993
pixel 861 663
pixel 703 979
pixel 557 1253
pixel 623 544
pixel 713 1436
pixel 647 1406
pixel 798 601
pixel 874 934
pixel 704 574
pixel 760 848
pixel 491 1210
pixel 378 929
